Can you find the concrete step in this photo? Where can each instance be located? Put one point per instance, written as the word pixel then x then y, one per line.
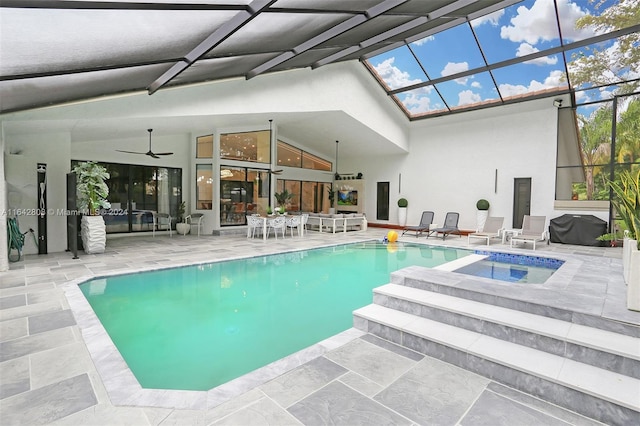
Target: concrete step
pixel 604 395
pixel 601 348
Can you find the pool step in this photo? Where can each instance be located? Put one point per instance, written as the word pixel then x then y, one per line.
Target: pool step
pixel 601 348
pixel 607 396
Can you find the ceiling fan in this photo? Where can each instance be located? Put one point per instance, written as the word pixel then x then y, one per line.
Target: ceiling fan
pixel 149 153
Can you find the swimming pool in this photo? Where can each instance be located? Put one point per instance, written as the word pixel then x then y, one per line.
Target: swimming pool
pixel 196 327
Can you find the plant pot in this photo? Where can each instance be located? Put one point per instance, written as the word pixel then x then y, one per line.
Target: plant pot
pixel 402 216
pixel 481 219
pixel 332 210
pixel 94 234
pixel 183 228
pixel 633 277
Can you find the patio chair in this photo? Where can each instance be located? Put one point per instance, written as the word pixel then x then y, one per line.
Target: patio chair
pixel 450 225
pixel 492 228
pixel 277 224
pixel 254 226
pixel 196 219
pixel 425 221
pixel 294 222
pixel 533 229
pixel 161 221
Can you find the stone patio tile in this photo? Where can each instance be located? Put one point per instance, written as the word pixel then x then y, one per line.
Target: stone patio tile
pixel 262 412
pixel 47 404
pixel 302 381
pixel 13 329
pixel 104 414
pixel 369 360
pixel 495 410
pixel 58 364
pixel 12 301
pixel 33 344
pixel 15 377
pixel 433 392
pixel 29 310
pixel 337 404
pixel 51 321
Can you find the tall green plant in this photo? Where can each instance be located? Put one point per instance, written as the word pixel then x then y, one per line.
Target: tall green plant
pixel 91 187
pixel 283 197
pixel 627 201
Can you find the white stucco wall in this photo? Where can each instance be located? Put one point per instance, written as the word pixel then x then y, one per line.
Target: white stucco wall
pixel 453 161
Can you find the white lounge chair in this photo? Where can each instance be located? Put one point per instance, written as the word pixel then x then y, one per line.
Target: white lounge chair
pixel 533 230
pixel 491 229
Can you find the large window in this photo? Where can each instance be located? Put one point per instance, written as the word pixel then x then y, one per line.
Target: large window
pixel 204 186
pixel 291 156
pixel 307 196
pixel 137 192
pixel 247 146
pixel 242 191
pixel 204 146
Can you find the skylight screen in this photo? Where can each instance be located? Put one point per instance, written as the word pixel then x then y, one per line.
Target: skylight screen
pixel 448 52
pixel 528 79
pixel 398 68
pixel 421 101
pixel 469 91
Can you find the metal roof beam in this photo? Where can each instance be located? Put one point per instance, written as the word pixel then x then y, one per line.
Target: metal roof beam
pixel 114 5
pixel 327 35
pixel 217 37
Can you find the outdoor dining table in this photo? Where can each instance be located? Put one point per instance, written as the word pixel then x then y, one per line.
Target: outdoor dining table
pixel 265 222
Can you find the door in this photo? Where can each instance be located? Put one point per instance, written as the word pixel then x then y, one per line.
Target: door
pixel 382 201
pixel 521 200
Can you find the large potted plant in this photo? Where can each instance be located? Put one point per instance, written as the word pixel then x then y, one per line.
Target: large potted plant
pixel 402 211
pixel 282 199
pixel 332 198
pixel 92 192
pixel 627 204
pixel 182 227
pixel 483 212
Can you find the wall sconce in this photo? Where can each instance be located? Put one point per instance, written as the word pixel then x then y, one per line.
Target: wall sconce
pixel 557 103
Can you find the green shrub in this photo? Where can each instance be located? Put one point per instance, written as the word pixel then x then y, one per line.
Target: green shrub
pixel 482 204
pixel 402 202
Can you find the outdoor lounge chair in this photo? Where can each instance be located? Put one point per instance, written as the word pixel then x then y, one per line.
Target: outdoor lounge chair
pixel 533 229
pixel 450 225
pixel 425 222
pixel 491 229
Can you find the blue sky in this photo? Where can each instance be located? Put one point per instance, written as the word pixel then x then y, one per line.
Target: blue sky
pixel 524 28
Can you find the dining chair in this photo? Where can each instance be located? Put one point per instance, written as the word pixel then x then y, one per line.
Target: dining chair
pixel 293 222
pixel 278 223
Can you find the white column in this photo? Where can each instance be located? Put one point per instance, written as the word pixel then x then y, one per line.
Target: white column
pixel 4 252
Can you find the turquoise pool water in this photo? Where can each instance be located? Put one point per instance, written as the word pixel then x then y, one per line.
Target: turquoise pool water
pixel 194 328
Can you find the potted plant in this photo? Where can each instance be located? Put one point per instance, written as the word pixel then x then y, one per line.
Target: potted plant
pixel 282 199
pixel 182 227
pixel 402 211
pixel 332 198
pixel 483 212
pixel 627 204
pixel 92 192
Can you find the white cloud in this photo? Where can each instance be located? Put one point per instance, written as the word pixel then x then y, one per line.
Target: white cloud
pixel 393 76
pixel 553 80
pixel 476 85
pixel 454 68
pixel 491 19
pixel 526 49
pixel 423 40
pixel 417 103
pixel 468 97
pixel 539 23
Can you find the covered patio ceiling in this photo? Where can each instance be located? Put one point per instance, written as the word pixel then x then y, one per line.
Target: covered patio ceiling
pixel 53 52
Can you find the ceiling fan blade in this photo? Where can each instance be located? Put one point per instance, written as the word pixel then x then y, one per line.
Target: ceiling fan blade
pixel 275 172
pixel 131 152
pixel 163 153
pixel 152 155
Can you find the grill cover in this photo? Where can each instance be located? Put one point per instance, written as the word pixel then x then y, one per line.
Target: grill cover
pixel 577 229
